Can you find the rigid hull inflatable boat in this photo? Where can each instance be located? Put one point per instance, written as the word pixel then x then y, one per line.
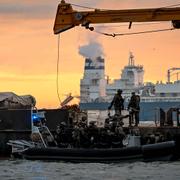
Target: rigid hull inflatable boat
pixel 165 151
pixel 133 150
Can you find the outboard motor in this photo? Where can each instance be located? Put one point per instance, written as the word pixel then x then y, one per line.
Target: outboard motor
pixel 133 139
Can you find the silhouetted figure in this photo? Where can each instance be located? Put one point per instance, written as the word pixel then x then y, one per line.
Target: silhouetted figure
pixel 61 135
pixel 76 133
pixel 92 133
pixel 134 109
pixel 118 102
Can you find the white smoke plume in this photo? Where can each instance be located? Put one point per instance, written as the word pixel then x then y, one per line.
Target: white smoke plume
pixel 91 50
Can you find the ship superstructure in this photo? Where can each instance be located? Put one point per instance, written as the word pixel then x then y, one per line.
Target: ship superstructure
pixel 132 78
pixel 93 84
pixel 96 93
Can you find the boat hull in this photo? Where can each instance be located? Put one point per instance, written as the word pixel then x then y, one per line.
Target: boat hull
pixel 153 152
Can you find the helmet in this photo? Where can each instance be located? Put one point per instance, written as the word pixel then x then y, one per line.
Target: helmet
pixel 63 123
pixel 119 91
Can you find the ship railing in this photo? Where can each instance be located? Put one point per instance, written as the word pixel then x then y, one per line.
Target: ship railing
pixel 20 145
pixel 160 99
pixel 39 130
pixel 170 117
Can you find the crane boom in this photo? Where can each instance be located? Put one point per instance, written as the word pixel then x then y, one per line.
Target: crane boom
pixel 67 18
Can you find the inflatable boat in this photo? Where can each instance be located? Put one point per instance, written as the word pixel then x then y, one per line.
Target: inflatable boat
pixel 39 148
pixel 153 152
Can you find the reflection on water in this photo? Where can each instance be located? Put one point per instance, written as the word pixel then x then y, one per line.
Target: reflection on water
pixel 38 170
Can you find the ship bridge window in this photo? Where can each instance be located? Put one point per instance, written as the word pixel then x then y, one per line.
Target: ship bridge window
pixel 162 94
pixel 130 74
pixel 175 94
pixel 94 82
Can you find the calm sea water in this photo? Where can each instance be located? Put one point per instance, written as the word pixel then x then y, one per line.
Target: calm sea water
pixel 38 170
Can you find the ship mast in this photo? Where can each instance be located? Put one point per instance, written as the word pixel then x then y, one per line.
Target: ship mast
pixel 131 59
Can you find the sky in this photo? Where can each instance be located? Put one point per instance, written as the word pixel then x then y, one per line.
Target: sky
pixel 28 48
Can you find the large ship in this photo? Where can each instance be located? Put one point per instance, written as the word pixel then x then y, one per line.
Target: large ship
pixel 97 92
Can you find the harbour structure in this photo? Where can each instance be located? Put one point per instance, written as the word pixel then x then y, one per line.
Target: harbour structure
pixel 153 96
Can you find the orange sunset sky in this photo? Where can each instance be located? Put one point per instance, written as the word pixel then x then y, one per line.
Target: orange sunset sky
pixel 28 47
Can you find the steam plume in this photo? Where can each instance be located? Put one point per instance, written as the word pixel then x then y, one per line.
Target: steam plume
pixel 91 50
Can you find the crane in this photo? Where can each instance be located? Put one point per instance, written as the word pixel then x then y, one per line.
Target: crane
pixel 67 17
pixel 169 73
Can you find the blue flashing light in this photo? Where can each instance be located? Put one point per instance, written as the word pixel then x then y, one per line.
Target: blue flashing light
pixel 35 118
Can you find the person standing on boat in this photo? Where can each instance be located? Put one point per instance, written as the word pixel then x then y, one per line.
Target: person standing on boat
pixel 118 102
pixel 134 109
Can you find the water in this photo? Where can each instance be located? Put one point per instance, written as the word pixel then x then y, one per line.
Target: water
pixel 39 170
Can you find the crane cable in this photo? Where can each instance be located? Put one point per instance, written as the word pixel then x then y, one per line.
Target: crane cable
pixel 87 7
pixel 173 5
pixel 81 6
pixel 133 33
pixel 57 71
pixel 134 24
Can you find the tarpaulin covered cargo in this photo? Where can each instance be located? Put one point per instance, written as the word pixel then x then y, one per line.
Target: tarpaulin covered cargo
pixel 12 101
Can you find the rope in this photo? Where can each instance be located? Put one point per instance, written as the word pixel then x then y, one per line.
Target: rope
pixel 133 33
pixel 57 73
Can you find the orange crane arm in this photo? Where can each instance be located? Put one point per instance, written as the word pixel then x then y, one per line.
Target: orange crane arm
pixel 67 18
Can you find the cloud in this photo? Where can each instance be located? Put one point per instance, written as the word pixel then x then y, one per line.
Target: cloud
pixel 41 9
pixel 36 10
pixel 27 10
pixel 47 8
pixel 16 78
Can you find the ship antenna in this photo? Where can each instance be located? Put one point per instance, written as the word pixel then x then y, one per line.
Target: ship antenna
pixel 131 59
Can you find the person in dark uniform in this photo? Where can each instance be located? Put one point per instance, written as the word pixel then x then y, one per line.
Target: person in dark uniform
pixel 118 102
pixel 92 133
pixel 134 109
